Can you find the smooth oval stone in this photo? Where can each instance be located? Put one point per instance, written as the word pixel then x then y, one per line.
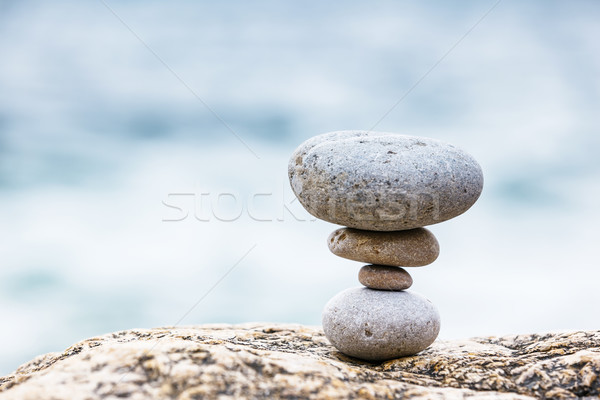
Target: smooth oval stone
pixel 383 277
pixel 410 248
pixel 378 325
pixel 383 181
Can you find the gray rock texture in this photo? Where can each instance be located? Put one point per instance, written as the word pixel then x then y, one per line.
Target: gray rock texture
pixel 270 361
pixel 410 248
pixel 382 277
pixel 380 325
pixel 383 181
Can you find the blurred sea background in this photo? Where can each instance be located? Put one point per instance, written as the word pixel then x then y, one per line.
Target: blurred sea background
pixel 144 148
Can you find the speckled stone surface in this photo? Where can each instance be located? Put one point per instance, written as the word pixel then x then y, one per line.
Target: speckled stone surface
pixel 410 248
pixel 380 325
pixel 383 181
pixel 382 277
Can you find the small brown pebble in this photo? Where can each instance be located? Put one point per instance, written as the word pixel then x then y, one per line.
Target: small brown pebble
pixel 384 277
pixel 411 248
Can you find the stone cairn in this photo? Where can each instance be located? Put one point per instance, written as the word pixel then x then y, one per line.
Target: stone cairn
pixel 384 188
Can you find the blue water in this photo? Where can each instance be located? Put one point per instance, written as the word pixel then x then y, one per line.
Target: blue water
pixel 97 134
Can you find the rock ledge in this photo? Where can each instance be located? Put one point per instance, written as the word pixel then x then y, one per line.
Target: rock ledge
pixel 294 361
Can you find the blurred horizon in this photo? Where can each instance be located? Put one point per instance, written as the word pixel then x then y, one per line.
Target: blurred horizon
pixel 97 133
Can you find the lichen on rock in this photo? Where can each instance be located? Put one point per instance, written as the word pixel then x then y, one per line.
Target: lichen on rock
pixel 294 361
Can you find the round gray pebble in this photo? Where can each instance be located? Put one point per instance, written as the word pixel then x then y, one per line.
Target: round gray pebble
pixel 383 181
pixel 378 325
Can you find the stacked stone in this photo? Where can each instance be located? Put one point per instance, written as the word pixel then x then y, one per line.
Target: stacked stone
pixel 384 188
pixel 387 252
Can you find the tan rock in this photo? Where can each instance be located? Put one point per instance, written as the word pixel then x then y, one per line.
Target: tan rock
pixel 411 248
pixel 291 361
pixel 383 277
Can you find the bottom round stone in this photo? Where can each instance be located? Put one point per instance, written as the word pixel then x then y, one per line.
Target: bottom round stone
pixel 379 325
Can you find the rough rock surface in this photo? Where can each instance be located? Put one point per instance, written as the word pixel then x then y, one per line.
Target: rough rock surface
pixel 291 361
pixel 411 248
pixel 383 181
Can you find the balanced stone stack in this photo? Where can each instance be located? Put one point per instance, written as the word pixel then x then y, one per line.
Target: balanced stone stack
pixel 384 188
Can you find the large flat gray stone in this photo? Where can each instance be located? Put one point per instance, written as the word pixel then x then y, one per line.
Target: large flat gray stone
pixel 383 181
